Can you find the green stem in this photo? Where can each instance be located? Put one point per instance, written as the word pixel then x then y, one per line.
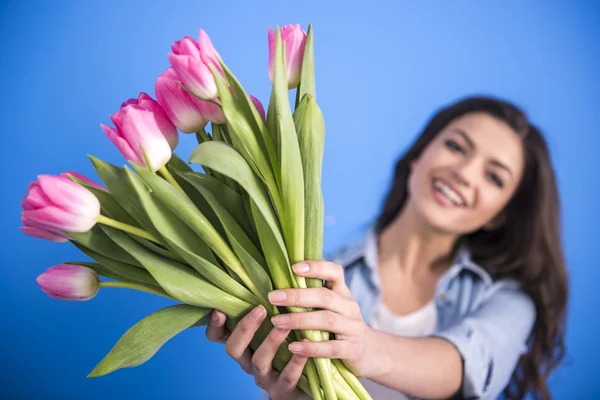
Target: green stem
pixel 135 286
pixel 351 379
pixel 169 178
pixel 127 228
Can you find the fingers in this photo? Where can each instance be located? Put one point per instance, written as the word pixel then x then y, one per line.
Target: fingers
pixel 239 340
pixel 328 271
pixel 314 298
pixel 290 375
pixel 263 356
pixel 329 349
pixel 215 331
pixel 318 320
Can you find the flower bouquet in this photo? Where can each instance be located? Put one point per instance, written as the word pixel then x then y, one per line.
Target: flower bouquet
pixel 220 238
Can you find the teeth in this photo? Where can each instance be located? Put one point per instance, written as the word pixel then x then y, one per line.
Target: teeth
pixel 448 192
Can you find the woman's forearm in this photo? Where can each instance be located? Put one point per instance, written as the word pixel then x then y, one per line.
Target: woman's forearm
pixel 420 367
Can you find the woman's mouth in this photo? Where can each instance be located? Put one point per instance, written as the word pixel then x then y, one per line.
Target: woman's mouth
pixel 446 195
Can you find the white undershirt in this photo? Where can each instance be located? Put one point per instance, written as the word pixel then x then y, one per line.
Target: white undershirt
pixel 421 322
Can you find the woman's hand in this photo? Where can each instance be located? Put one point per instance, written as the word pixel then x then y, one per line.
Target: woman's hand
pixel 339 313
pixel 278 385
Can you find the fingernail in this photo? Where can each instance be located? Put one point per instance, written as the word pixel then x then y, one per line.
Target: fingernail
pixel 277 296
pixel 296 346
pixel 258 313
pixel 215 317
pixel 301 268
pixel 280 319
pixel 282 330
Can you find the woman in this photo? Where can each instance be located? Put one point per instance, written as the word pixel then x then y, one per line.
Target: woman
pixel 458 290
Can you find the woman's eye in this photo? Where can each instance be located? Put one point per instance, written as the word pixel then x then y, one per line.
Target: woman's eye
pixel 496 179
pixel 454 146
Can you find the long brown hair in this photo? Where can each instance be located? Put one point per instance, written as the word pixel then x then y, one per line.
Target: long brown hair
pixel 527 248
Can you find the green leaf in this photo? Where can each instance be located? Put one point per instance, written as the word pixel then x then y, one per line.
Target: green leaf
pixel 117 183
pixel 307 74
pixel 188 245
pixel 147 336
pixel 247 141
pixel 279 265
pixel 96 240
pixel 176 163
pixel 243 247
pixel 292 182
pixel 99 269
pixel 184 208
pixel 126 272
pixel 228 161
pixel 227 197
pixel 310 126
pixel 218 135
pixel 249 111
pixel 178 280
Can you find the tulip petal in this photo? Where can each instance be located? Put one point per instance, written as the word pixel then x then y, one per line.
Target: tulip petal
pixel 54 218
pixel 178 104
pixel 35 198
pixel 43 234
pixel 122 145
pixel 163 122
pixel 70 196
pixel 208 53
pixel 259 107
pixel 143 124
pixel 195 75
pixel 211 111
pixel 186 47
pixel 271 39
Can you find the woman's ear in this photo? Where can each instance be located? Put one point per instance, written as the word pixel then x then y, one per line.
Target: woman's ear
pixel 496 222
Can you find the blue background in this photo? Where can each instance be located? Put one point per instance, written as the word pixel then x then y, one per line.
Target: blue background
pixel 382 71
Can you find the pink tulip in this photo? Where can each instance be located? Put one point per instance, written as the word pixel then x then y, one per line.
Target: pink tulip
pixel 294 40
pixel 191 61
pixel 69 282
pixel 259 107
pixel 83 179
pixel 31 229
pixel 178 104
pixel 142 125
pixel 54 204
pixel 212 112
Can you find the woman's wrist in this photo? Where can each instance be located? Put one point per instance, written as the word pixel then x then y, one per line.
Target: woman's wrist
pixel 377 360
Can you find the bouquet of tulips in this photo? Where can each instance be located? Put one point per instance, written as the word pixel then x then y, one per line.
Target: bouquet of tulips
pixel 218 239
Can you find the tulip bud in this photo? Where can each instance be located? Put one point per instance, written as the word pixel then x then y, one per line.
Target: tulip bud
pixel 141 125
pixel 69 282
pixel 83 179
pixel 178 104
pixel 294 40
pixel 212 112
pixel 55 204
pixel 191 61
pixel 259 107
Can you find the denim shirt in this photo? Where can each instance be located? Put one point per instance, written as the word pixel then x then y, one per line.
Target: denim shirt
pixel 487 321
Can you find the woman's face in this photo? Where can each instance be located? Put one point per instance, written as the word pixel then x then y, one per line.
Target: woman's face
pixel 467 174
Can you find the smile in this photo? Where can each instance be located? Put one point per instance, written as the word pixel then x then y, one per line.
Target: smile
pixel 446 195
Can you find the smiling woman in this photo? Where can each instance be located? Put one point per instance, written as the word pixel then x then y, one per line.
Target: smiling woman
pixel 459 290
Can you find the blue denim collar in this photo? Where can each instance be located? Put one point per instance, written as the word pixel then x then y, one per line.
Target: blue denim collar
pixel 366 248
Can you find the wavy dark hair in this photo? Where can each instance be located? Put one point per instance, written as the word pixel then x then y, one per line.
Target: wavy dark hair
pixel 527 247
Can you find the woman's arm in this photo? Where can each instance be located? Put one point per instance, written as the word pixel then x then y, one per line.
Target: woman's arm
pixel 421 367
